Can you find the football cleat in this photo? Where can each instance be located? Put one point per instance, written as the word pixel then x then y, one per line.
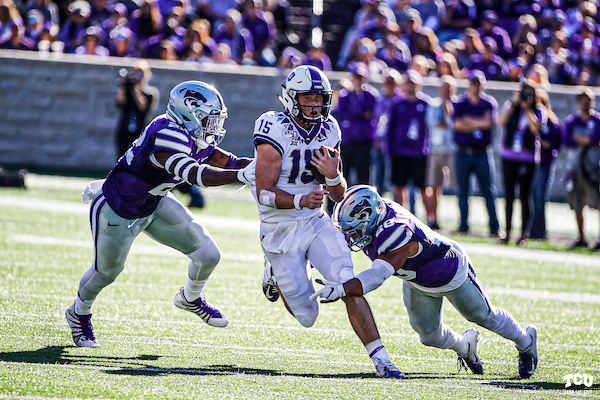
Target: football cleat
pixel 528 359
pixel 269 284
pixel 206 311
pixel 471 360
pixel 81 328
pixel 388 371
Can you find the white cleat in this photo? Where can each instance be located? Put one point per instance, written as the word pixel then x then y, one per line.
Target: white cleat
pixel 206 311
pixel 528 359
pixel 269 284
pixel 471 360
pixel 81 328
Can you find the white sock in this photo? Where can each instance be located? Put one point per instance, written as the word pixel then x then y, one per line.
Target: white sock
pixel 377 352
pixel 83 307
pixel 193 289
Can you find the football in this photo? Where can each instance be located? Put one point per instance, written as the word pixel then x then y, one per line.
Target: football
pixel 319 177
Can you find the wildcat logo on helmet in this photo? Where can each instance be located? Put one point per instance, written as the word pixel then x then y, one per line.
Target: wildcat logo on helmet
pixel 362 210
pixel 193 97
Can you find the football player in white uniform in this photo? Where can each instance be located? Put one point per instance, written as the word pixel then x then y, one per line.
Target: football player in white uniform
pixel 294 229
pixel 433 267
pixel 176 147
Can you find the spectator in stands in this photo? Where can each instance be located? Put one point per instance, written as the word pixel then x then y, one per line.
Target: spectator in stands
pixel 290 58
pixel 317 56
pixel 518 67
pixel 34 26
pixel 550 140
pixel 260 25
pixel 556 60
pixel 411 26
pixel 379 153
pixel 135 99
pixel 48 8
pixel 48 39
pixel 538 74
pixel 523 118
pixel 426 44
pixel 145 23
pixel 473 121
pixel 525 32
pixel 9 17
pixel 222 55
pixel 216 11
pixel 460 15
pixel 394 52
pixel 408 136
pixel 431 11
pixel 585 47
pixel 582 133
pixel 440 164
pixel 422 65
pixel 492 65
pixel 100 11
pixel 489 28
pixel 117 17
pixel 91 43
pixel 472 46
pixel 73 30
pixel 17 40
pixel 122 43
pixel 449 66
pixel 235 36
pixel 166 6
pixel 166 51
pixel 355 114
pixel 365 54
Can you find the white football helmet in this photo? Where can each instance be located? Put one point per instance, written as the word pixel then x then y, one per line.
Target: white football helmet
pixel 305 79
pixel 359 215
pixel 199 108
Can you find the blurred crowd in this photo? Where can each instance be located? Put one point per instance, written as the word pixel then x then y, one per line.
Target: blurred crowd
pixel 550 41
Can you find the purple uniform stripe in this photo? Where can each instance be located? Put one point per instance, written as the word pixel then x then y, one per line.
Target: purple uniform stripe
pixel 97 205
pixel 314 75
pixel 473 278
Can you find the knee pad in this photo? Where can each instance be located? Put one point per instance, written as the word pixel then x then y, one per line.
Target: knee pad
pixel 306 320
pixel 204 260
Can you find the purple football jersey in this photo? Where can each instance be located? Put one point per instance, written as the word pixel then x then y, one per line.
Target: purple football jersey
pixel 436 262
pixel 408 131
pixel 136 183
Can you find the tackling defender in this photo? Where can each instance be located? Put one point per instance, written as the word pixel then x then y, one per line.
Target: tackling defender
pixel 294 229
pixel 433 267
pixel 176 147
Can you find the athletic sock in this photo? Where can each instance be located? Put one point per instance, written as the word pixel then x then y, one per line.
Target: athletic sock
pixel 83 307
pixel 193 289
pixel 378 353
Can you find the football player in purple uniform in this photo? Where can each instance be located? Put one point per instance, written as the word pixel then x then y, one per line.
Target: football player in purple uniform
pixel 294 229
pixel 432 267
pixel 178 146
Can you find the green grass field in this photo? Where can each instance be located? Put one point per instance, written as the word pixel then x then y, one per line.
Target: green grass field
pixel 152 350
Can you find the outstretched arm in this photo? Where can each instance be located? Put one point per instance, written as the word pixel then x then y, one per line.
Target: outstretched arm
pixel 188 169
pixel 382 268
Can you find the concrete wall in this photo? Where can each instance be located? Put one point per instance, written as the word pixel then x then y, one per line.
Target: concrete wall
pixel 59 114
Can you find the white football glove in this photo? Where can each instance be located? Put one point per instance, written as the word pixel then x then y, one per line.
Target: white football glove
pixel 247 175
pixel 332 291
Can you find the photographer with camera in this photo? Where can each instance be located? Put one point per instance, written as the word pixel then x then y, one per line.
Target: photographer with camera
pixel 135 99
pixel 523 118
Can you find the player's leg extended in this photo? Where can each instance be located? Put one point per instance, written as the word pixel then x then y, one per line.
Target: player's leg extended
pixel 112 240
pixel 425 317
pixel 175 226
pixel 330 255
pixel 471 300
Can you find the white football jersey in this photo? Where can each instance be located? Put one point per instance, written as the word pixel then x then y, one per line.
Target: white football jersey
pixel 295 145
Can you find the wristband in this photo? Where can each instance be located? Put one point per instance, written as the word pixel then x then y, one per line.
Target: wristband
pixel 199 176
pixel 297 199
pixel 335 181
